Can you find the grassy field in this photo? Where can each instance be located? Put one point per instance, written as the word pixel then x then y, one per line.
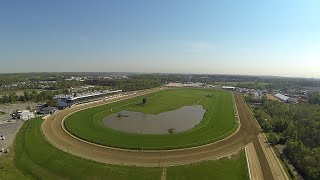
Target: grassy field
pixel 2 113
pixel 8 170
pixel 233 168
pixel 39 159
pixel 218 122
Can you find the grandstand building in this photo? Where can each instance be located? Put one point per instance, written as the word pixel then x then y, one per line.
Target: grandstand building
pixel 65 101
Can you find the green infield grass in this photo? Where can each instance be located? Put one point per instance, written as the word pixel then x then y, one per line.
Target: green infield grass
pixel 218 121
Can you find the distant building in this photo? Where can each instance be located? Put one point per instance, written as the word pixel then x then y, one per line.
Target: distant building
pixel 188 84
pixel 285 98
pixel 62 102
pixel 23 115
pixel 210 86
pixel 174 85
pixel 192 84
pixel 69 100
pixel 47 110
pixel 228 88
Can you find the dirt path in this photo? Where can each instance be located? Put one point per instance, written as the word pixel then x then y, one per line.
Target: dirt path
pixel 253 163
pixel 164 174
pixel 275 165
pixel 247 133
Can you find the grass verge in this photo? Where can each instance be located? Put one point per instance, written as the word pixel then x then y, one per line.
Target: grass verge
pixel 8 170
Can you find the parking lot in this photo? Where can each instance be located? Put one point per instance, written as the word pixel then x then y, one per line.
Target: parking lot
pixel 8 126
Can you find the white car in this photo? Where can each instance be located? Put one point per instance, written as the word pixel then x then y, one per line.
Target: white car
pixel 2 137
pixel 2 150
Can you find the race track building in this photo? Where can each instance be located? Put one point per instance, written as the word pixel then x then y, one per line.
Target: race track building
pixel 23 115
pixel 69 100
pixel 45 110
pixel 231 88
pixel 285 98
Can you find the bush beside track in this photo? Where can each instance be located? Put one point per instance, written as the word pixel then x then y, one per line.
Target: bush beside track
pixel 218 122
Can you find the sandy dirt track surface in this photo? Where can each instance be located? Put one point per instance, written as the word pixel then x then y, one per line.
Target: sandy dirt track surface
pixel 275 165
pixel 253 163
pixel 247 133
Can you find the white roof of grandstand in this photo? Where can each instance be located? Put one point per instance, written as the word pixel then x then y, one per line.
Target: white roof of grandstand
pixel 94 94
pixel 88 95
pixel 228 87
pixel 282 97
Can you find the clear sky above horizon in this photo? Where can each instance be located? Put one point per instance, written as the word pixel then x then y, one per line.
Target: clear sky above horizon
pixel 181 36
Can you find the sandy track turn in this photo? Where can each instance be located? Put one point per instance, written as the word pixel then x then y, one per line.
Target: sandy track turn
pixel 248 132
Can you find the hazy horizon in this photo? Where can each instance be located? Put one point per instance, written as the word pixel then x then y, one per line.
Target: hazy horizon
pixel 268 38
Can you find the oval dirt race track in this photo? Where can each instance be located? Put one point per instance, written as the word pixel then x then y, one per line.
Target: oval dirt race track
pixel 55 134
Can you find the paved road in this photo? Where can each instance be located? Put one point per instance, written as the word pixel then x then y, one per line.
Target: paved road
pixel 247 133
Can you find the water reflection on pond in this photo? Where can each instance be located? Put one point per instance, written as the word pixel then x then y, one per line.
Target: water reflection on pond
pixel 136 122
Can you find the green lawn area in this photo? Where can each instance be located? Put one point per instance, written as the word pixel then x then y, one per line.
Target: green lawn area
pixel 218 122
pixel 2 113
pixel 233 168
pixel 39 159
pixel 8 170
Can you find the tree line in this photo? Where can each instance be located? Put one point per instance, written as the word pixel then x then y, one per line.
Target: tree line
pixel 32 95
pixel 297 126
pixel 127 84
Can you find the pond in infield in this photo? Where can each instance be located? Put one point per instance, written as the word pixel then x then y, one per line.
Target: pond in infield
pixel 169 122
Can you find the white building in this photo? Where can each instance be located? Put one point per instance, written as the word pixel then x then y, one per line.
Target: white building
pixel 285 98
pixel 26 115
pixel 229 87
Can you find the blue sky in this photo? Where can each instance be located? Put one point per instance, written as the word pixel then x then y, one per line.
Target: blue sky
pixel 206 36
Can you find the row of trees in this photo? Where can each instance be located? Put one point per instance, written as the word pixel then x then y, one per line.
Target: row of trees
pixel 298 128
pixel 31 96
pixel 127 84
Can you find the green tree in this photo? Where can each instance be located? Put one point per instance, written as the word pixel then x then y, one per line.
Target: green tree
pixel 273 138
